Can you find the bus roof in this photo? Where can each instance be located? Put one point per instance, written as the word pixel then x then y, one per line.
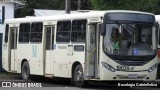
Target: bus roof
pixel 85 15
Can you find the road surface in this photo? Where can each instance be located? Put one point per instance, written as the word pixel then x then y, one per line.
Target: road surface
pixel 64 84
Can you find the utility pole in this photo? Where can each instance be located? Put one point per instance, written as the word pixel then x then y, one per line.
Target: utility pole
pixel 68 6
pixel 79 5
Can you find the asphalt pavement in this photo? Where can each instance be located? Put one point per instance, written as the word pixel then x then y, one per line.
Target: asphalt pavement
pixel 64 84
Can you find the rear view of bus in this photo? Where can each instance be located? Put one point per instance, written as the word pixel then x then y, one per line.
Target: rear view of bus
pixel 129 50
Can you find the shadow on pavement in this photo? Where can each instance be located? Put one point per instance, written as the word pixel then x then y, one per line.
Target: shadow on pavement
pixel 61 82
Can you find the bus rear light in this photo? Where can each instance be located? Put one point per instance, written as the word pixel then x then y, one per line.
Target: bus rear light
pixel 158 53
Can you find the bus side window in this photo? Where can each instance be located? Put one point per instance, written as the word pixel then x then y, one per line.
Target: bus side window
pixel 63 31
pixel 36 32
pixel 24 32
pixel 78 31
pixel 6 33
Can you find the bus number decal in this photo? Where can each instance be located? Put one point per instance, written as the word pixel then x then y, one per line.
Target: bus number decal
pixel 62 47
pixel 124 68
pixel 34 51
pixel 94 19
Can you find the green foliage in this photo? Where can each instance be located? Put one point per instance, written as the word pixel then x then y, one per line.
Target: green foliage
pixel 138 5
pixel 85 4
pixel 152 6
pixel 27 9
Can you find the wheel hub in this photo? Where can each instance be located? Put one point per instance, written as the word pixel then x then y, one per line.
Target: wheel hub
pixel 79 75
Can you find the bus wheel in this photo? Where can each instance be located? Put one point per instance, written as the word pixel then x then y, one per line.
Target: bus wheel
pixel 25 71
pixel 78 76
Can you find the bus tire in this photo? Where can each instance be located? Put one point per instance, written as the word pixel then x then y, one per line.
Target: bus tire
pixel 25 71
pixel 78 76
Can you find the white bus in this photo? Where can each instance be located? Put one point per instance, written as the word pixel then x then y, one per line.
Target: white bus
pixel 157 17
pixel 96 45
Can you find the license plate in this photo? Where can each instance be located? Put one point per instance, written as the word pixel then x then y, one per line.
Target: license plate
pixel 132 75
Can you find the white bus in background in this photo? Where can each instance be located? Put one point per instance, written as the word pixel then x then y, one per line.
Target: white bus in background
pixel 97 45
pixel 157 17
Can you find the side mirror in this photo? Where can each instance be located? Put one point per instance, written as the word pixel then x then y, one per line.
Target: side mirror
pixel 102 29
pixel 157 25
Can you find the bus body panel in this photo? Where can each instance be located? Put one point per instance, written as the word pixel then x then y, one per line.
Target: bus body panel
pixel 119 75
pixel 158 52
pixel 65 57
pixel 139 71
pixel 34 56
pixel 5 63
pixel 61 60
pixel 77 56
pixel 158 42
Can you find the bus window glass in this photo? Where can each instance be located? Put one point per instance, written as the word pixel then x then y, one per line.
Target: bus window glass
pixel 145 36
pixel 129 40
pixel 6 33
pixel 24 32
pixel 36 32
pixel 63 31
pixel 13 31
pixel 48 38
pixel 130 36
pixel 78 30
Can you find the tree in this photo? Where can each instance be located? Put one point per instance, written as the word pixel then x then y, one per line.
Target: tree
pixel 30 5
pixel 28 8
pixel 139 5
pixel 85 4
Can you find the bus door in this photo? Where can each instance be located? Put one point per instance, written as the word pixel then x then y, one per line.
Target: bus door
pixel 49 49
pixel 91 53
pixel 13 47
